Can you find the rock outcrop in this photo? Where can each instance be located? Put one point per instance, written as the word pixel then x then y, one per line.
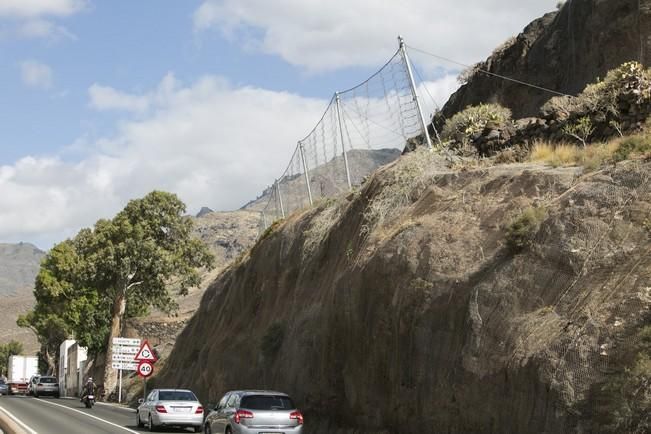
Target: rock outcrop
pixel 562 51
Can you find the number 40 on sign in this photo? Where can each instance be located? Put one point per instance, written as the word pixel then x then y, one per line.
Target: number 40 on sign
pixel 145 369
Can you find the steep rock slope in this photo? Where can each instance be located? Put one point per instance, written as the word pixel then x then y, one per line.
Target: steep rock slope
pixel 402 308
pixel 563 51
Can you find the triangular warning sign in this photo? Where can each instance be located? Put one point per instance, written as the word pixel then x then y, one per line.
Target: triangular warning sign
pixel 145 353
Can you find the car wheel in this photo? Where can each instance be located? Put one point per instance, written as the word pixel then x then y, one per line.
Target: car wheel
pixel 197 429
pixel 139 422
pixel 152 427
pixel 207 430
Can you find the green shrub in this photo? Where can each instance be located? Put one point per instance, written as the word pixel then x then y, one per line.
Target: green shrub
pixel 464 125
pixel 629 78
pixel 581 130
pixel 521 231
pixel 272 341
pixel 634 145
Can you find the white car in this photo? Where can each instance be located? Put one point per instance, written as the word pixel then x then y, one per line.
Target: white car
pixel 170 408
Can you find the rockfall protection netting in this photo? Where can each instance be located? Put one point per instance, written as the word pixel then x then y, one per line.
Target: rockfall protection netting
pixel 378 115
pixel 605 285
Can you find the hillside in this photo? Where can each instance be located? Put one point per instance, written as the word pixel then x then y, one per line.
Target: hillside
pixel 228 235
pixel 362 162
pixel 400 309
pixel 562 51
pixel 18 267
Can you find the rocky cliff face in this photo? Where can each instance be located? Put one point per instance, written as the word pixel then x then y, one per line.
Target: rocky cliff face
pixel 562 51
pixel 406 308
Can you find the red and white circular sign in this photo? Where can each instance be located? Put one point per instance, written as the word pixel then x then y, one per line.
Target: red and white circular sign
pixel 145 369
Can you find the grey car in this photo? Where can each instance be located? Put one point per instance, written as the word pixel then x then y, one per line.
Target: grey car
pixel 170 407
pixel 254 412
pixel 4 389
pixel 46 385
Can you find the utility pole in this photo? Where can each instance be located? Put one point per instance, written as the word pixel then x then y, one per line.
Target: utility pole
pixel 412 83
pixel 343 146
pixel 301 150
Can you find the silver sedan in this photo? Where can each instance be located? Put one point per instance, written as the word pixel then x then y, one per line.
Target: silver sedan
pixel 170 408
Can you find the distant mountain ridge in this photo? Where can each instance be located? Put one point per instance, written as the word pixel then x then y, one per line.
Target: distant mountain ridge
pixel 19 264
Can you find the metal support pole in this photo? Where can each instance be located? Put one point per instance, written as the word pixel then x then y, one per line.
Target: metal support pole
pixel 280 199
pixel 307 175
pixel 412 83
pixel 264 220
pixel 343 146
pixel 120 388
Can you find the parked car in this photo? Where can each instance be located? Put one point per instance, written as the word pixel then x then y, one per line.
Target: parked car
pixel 31 386
pixel 4 389
pixel 170 408
pixel 253 412
pixel 46 385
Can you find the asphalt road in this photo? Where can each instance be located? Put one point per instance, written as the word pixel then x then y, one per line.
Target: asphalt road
pixel 59 416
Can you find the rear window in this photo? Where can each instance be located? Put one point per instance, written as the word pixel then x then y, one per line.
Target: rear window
pixel 47 380
pixel 174 395
pixel 267 402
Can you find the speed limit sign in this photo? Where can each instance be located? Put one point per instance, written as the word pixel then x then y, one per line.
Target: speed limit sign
pixel 145 369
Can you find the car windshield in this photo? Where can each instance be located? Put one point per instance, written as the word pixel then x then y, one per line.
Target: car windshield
pixel 48 380
pixel 176 395
pixel 267 402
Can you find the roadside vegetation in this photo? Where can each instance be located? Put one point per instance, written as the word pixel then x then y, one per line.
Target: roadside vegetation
pixel 11 348
pixel 121 268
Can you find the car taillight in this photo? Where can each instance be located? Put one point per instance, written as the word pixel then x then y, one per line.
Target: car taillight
pixel 161 409
pixel 242 414
pixel 199 410
pixel 296 415
pixel 40 384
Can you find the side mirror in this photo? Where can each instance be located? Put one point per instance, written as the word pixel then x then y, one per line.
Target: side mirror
pixel 140 400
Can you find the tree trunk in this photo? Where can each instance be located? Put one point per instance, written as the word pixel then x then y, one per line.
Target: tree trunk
pixel 110 374
pixel 49 360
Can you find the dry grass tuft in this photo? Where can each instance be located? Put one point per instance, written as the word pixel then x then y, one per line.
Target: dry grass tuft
pixel 591 157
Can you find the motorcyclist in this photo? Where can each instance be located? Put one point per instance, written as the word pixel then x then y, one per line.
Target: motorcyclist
pixel 89 388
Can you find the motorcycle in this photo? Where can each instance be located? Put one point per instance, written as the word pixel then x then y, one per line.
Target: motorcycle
pixel 89 401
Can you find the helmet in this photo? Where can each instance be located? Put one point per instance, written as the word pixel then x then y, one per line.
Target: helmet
pixel 90 380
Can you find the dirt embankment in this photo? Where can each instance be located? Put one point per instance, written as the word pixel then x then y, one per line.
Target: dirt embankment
pixel 403 308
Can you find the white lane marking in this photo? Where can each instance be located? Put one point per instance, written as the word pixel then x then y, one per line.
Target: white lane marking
pixel 18 421
pixel 90 415
pixel 104 404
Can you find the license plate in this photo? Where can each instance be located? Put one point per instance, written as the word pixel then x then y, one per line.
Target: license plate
pixel 181 409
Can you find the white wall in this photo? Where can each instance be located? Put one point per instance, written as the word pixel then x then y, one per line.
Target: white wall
pixel 63 364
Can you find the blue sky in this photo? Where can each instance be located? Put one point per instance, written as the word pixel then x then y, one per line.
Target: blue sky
pixel 105 100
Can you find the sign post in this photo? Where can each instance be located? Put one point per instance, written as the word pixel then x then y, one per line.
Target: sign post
pixel 146 359
pixel 124 352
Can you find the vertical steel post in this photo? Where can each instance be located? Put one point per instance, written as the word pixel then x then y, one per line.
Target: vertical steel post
pixel 343 146
pixel 280 199
pixel 301 150
pixel 264 220
pixel 412 83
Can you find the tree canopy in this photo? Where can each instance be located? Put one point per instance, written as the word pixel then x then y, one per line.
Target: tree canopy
pixel 11 348
pixel 118 269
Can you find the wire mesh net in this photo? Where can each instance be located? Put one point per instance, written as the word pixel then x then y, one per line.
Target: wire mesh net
pixel 361 129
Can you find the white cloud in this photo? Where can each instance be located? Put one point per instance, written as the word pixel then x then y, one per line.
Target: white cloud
pixel 36 8
pixel 35 74
pixel 209 142
pixel 323 35
pixel 107 98
pixel 434 94
pixel 40 28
